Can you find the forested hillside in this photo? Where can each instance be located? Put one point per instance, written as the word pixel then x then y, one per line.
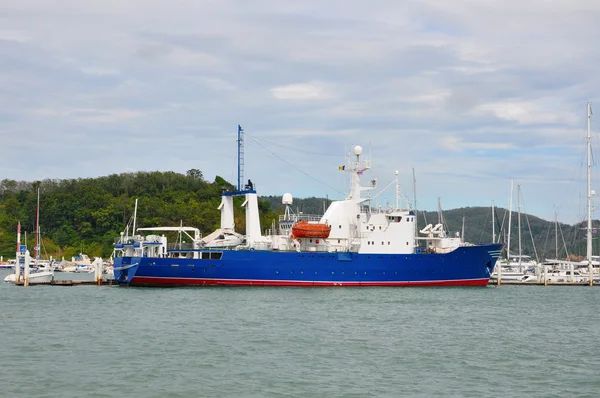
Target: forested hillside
pixel 88 214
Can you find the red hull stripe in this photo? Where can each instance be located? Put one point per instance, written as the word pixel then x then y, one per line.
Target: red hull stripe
pixel 156 281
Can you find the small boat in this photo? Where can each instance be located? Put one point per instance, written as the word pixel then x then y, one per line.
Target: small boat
pixel 43 274
pixel 34 277
pixel 304 229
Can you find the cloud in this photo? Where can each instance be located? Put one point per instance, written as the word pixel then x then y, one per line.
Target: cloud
pixel 528 112
pixel 14 35
pixel 302 91
pixel 99 71
pixel 90 115
pixel 457 144
pixel 469 93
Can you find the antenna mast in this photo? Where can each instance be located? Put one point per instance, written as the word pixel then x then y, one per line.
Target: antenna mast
pixel 493 224
pixel 240 141
pixel 415 200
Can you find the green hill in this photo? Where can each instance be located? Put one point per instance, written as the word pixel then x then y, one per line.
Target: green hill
pixel 88 214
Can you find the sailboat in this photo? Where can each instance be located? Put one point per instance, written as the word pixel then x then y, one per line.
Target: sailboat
pixel 562 271
pixel 36 275
pixel 591 275
pixel 519 267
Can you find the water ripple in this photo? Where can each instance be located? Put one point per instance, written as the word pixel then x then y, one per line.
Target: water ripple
pixel 280 342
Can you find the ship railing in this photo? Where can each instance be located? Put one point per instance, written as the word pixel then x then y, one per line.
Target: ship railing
pixel 300 217
pixel 128 241
pixel 180 246
pixel 255 246
pixel 134 239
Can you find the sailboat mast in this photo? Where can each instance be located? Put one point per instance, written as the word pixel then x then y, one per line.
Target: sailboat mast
pixel 519 222
pixel 36 249
pixel 589 191
pixel 509 221
pixel 556 234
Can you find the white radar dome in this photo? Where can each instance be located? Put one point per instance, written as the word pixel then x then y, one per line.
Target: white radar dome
pixel 358 150
pixel 287 199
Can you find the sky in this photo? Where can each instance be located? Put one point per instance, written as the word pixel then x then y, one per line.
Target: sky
pixel 470 93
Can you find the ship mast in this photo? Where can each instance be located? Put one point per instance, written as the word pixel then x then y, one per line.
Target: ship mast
pixel 240 153
pixel 589 194
pixel 134 217
pixel 493 224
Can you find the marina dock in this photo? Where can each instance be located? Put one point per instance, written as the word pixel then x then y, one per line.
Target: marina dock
pixel 108 282
pixel 540 283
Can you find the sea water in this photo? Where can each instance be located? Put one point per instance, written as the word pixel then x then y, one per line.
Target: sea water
pixel 90 341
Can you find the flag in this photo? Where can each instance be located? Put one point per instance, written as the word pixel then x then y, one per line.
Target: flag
pixel 342 168
pixel 360 172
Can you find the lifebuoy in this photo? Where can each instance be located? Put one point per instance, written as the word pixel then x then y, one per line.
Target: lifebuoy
pixel 299 240
pixel 317 241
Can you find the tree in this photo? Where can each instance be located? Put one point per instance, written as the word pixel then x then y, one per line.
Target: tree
pixel 194 173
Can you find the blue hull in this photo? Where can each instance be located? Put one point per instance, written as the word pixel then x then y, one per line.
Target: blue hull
pixel 465 266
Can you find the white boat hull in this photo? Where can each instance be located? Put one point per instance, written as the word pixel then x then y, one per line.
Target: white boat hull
pixel 36 277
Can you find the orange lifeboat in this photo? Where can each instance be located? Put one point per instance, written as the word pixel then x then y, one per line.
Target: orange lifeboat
pixel 303 229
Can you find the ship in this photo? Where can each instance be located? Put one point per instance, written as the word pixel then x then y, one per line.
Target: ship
pixel 352 244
